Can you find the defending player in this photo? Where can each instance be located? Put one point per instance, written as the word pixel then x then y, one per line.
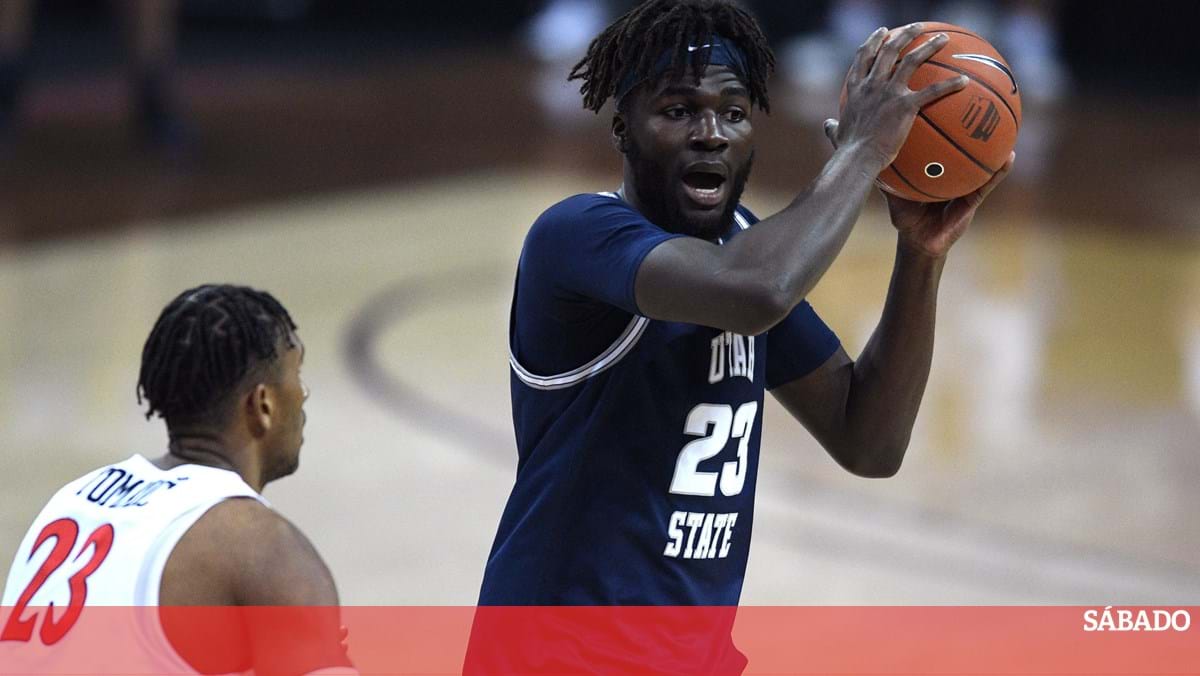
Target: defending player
pixel 647 322
pixel 190 528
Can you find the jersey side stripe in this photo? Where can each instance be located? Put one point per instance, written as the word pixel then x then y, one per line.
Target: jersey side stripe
pixel 621 347
pixel 610 356
pixel 741 220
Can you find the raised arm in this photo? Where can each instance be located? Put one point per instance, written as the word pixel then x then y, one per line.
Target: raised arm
pixel 863 411
pixel 752 282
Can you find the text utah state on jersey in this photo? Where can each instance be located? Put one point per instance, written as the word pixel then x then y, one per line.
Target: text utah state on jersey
pixel 709 535
pixel 732 354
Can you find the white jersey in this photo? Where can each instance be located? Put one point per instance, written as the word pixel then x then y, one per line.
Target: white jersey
pixel 113 530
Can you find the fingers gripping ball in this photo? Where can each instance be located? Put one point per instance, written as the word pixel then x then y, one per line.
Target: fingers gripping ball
pixel 958 141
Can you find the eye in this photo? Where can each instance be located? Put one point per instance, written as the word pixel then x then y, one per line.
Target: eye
pixel 677 112
pixel 735 115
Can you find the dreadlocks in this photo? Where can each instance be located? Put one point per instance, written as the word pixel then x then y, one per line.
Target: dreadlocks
pixel 636 40
pixel 203 345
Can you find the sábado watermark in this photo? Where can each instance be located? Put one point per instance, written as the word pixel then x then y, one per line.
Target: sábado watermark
pixel 1124 619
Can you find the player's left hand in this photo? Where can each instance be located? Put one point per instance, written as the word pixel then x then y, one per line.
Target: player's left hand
pixel 931 228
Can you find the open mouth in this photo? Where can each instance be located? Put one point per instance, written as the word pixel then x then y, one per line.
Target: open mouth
pixel 705 188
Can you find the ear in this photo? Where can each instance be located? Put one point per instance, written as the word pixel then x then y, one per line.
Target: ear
pixel 259 406
pixel 620 133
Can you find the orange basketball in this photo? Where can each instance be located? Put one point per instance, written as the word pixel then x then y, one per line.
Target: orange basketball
pixel 959 141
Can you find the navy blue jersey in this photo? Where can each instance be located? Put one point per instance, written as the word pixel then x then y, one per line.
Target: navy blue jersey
pixel 637 439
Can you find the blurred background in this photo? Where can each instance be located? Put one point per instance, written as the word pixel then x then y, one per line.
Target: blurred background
pixel 376 164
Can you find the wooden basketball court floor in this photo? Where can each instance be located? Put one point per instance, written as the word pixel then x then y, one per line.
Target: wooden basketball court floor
pixel 1055 459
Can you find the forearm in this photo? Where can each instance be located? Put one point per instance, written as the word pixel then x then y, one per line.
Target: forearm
pixel 890 375
pixel 790 251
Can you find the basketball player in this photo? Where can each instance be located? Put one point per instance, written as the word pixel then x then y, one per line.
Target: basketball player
pixel 191 528
pixel 647 322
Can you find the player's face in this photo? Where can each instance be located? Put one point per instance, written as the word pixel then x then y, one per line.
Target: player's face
pixel 689 148
pixel 288 427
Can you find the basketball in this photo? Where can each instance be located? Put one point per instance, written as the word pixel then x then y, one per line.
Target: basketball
pixel 960 140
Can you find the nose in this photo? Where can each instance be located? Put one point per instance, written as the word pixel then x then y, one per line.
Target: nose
pixel 708 133
pixel 305 390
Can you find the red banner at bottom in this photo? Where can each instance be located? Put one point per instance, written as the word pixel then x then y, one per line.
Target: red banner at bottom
pixel 445 640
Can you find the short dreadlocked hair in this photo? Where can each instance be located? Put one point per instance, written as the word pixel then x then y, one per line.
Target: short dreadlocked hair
pixel 635 41
pixel 203 345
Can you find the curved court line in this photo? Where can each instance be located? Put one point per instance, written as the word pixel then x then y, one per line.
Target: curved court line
pixel 957 548
pixel 398 303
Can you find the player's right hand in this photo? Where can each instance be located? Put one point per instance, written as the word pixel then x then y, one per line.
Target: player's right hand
pixel 880 108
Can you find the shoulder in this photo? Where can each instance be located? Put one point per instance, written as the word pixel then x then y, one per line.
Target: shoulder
pixel 584 204
pixel 577 212
pixel 258 530
pixel 248 554
pixel 243 553
pixel 278 565
pixel 583 225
